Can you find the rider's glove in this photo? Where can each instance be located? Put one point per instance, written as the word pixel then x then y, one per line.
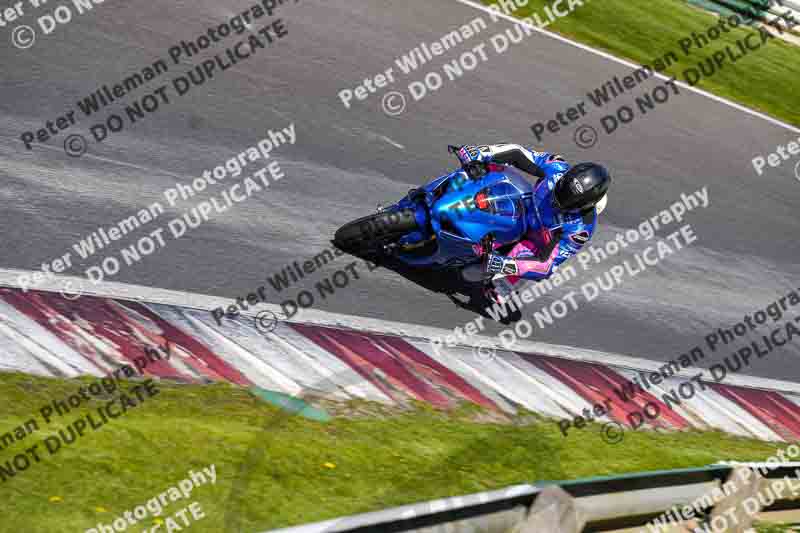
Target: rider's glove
pixel 469 153
pixel 498 264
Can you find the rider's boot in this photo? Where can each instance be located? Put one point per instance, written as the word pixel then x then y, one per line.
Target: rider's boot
pixel 504 287
pixel 490 293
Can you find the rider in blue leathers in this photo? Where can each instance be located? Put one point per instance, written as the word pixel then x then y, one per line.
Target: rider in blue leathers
pixel 562 218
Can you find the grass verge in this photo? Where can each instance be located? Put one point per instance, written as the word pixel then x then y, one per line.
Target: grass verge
pixel 765 79
pixel 298 470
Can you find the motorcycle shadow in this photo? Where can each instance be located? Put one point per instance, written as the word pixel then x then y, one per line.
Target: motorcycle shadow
pixel 448 281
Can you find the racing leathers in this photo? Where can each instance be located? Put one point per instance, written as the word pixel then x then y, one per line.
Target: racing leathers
pixel 552 235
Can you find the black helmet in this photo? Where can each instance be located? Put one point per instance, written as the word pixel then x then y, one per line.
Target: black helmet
pixel 582 187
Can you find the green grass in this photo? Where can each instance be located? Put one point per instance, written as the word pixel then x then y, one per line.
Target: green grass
pixel 766 527
pixel 271 466
pixel 642 31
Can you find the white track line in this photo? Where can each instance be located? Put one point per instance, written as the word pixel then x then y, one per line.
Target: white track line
pixel 600 53
pixel 140 168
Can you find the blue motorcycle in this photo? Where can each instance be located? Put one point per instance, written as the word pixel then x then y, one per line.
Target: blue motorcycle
pixel 436 226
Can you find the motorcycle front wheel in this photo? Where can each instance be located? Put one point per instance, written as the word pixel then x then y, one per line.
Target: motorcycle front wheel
pixel 372 232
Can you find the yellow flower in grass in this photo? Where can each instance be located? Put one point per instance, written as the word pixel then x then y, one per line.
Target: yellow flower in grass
pixel 329 465
pixel 56 499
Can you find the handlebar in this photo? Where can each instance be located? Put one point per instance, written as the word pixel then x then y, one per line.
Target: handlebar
pixel 474 169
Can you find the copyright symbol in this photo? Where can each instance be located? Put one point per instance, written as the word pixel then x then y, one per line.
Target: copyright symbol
pixel 586 136
pixel 797 170
pixel 75 145
pixel 72 290
pixel 484 351
pixel 23 37
pixel 613 432
pixel 266 321
pixel 394 103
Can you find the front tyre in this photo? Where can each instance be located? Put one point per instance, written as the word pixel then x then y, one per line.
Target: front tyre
pixel 372 232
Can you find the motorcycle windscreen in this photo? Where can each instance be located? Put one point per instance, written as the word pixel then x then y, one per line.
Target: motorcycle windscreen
pixel 503 200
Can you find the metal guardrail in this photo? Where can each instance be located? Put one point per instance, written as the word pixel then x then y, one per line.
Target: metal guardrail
pixel 761 10
pixel 589 505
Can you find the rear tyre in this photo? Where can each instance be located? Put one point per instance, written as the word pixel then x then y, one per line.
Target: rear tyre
pixel 372 232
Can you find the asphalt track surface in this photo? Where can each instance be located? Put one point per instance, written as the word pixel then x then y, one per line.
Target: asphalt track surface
pixel 347 160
